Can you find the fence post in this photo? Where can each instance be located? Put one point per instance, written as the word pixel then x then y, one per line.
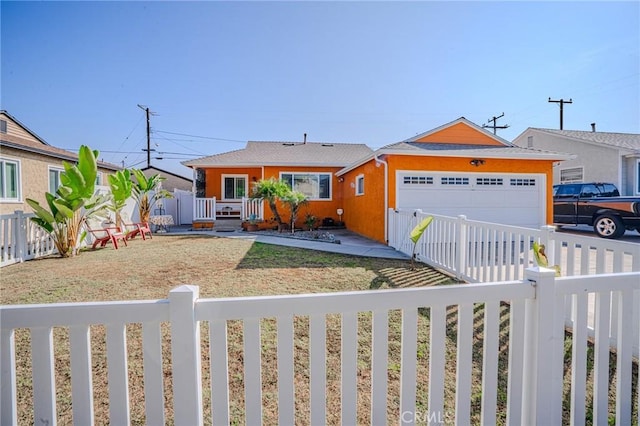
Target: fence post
pixel 461 247
pixel 543 352
pixel 20 234
pixel 185 356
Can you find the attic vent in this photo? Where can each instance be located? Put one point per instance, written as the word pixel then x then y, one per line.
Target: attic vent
pixel 288 144
pixel 327 144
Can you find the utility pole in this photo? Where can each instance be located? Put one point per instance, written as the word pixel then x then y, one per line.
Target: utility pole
pixel 495 127
pixel 146 109
pixel 561 102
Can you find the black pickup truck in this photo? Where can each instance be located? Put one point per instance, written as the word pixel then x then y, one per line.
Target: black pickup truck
pixel 596 204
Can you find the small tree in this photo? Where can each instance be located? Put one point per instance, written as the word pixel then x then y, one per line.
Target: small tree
pixel 294 200
pixel 271 190
pixel 73 203
pixel 121 189
pixel 141 189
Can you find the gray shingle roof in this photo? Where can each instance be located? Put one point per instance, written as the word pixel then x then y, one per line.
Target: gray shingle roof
pixel 286 153
pixel 467 150
pixel 630 141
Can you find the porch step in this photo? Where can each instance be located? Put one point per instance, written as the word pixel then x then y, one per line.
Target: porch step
pixel 227 225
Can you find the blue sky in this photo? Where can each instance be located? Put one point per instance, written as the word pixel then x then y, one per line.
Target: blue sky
pixel 361 72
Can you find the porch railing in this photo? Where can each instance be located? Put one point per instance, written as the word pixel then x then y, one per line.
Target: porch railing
pixel 212 209
pixel 534 355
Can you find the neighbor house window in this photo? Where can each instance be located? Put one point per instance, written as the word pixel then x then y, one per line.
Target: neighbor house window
pixel 3 126
pixel 234 187
pixel 99 178
pixel 316 186
pixel 574 174
pixel 529 141
pixel 9 180
pixel 54 179
pixel 360 185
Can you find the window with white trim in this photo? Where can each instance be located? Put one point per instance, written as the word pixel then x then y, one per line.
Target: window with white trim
pixel 9 180
pixel 3 126
pixel 360 185
pixel 234 187
pixel 99 178
pixel 316 186
pixel 575 174
pixel 54 179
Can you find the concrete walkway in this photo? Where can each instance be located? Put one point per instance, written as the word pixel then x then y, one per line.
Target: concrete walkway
pixel 350 243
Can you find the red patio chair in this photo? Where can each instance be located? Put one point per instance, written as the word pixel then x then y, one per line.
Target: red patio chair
pixel 132 229
pixel 105 234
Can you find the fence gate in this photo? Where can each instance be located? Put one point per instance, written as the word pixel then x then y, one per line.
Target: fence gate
pixel 184 201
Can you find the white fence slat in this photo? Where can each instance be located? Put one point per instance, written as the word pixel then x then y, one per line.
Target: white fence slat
pixel 44 387
pixel 491 332
pixel 601 358
pixel 579 358
pixel 252 371
pixel 437 346
pixel 286 393
pixel 153 374
pixel 8 404
pixel 117 374
pixel 379 363
pixel 219 364
pixel 408 363
pixel 317 368
pixel 516 361
pixel 81 375
pixel 624 357
pixel 349 368
pixel 463 366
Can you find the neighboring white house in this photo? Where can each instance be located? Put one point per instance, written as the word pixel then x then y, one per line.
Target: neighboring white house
pixel 599 156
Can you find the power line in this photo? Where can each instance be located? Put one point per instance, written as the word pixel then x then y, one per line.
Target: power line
pixel 201 137
pixel 561 102
pixel 495 126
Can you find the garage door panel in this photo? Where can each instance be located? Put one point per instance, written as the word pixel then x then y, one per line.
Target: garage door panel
pixel 512 199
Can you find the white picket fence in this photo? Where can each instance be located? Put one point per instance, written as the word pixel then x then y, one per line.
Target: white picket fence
pixel 535 353
pixel 481 252
pixel 21 239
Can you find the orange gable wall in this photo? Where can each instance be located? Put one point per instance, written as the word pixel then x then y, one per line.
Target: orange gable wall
pixel 460 133
pixel 448 164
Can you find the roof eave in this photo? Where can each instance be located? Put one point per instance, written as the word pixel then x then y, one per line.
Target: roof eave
pixel 60 156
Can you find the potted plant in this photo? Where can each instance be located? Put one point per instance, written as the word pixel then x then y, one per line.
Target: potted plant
pixel 253 223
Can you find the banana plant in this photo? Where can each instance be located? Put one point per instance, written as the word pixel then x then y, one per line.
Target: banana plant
pixel 541 258
pixel 121 190
pixel 73 203
pixel 142 187
pixel 415 235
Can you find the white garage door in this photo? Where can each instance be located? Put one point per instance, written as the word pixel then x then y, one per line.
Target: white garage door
pixel 509 199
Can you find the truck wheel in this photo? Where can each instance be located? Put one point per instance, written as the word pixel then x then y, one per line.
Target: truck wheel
pixel 608 226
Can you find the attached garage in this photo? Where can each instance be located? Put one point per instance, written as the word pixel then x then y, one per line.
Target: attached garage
pixel 509 199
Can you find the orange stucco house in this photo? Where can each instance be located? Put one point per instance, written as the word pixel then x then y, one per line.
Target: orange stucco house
pixel 458 168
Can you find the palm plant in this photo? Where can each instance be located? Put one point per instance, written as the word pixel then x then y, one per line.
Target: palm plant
pixel 72 205
pixel 271 190
pixel 121 189
pixel 141 193
pixel 294 200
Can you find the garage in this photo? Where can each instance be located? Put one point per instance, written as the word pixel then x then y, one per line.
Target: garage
pixel 509 199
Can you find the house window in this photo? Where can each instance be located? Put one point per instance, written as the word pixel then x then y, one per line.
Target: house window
pixel 529 141
pixel 234 187
pixel 99 178
pixel 3 126
pixel 360 185
pixel 316 186
pixel 54 179
pixel 9 180
pixel 574 174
